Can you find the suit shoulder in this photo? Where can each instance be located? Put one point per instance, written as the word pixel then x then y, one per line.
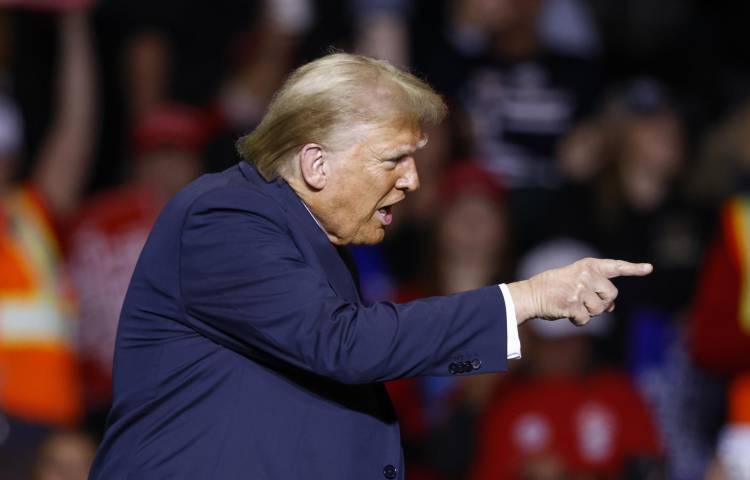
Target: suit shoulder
pixel 228 191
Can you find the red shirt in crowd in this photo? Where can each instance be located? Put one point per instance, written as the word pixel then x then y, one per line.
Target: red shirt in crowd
pixel 588 425
pixel 105 242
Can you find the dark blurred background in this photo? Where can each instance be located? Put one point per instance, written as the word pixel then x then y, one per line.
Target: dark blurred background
pixel 578 128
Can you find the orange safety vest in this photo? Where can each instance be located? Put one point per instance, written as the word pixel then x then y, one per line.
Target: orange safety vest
pixel 737 225
pixel 39 378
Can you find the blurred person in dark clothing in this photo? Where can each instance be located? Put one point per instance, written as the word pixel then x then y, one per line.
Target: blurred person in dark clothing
pixel 64 455
pixel 598 426
pixel 39 380
pixel 468 247
pixel 109 232
pixel 516 97
pixel 627 197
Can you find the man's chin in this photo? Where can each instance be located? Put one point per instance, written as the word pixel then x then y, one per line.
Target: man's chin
pixel 371 237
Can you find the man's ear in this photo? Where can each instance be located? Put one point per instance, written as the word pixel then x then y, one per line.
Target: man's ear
pixel 312 163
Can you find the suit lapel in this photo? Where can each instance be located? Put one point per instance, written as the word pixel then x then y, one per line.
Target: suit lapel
pixel 339 276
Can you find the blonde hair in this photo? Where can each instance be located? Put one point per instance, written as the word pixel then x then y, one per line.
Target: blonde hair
pixel 322 100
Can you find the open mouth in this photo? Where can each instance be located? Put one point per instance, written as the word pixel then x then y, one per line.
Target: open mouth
pixel 385 215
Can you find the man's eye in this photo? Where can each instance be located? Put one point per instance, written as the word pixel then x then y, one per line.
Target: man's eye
pixel 393 162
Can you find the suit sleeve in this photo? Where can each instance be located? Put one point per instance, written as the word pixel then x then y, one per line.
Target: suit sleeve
pixel 246 285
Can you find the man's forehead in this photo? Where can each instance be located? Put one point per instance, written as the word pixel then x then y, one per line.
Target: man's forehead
pixel 399 141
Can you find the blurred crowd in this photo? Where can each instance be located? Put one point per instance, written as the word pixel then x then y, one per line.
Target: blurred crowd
pixel 578 128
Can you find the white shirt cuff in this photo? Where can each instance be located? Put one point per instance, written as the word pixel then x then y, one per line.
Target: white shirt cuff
pixel 514 344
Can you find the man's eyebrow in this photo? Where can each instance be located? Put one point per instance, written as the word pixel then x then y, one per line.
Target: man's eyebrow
pixel 398 152
pixel 402 150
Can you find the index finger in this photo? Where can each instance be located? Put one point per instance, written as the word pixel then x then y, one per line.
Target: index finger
pixel 620 268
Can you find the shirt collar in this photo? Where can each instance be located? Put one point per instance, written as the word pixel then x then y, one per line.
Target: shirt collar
pixel 313 216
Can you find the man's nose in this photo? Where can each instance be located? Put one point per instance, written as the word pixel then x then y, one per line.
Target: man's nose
pixel 409 178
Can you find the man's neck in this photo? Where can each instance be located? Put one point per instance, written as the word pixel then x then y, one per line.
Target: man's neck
pixel 303 195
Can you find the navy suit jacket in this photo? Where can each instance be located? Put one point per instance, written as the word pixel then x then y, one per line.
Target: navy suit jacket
pixel 244 351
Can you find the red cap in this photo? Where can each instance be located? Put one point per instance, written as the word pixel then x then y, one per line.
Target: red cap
pixel 468 177
pixel 171 126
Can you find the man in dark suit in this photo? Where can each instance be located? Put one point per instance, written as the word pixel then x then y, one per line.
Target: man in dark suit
pixel 244 350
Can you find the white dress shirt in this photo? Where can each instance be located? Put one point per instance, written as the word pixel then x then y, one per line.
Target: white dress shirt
pixel 514 344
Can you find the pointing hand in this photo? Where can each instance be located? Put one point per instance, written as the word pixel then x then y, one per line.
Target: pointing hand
pixel 578 291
